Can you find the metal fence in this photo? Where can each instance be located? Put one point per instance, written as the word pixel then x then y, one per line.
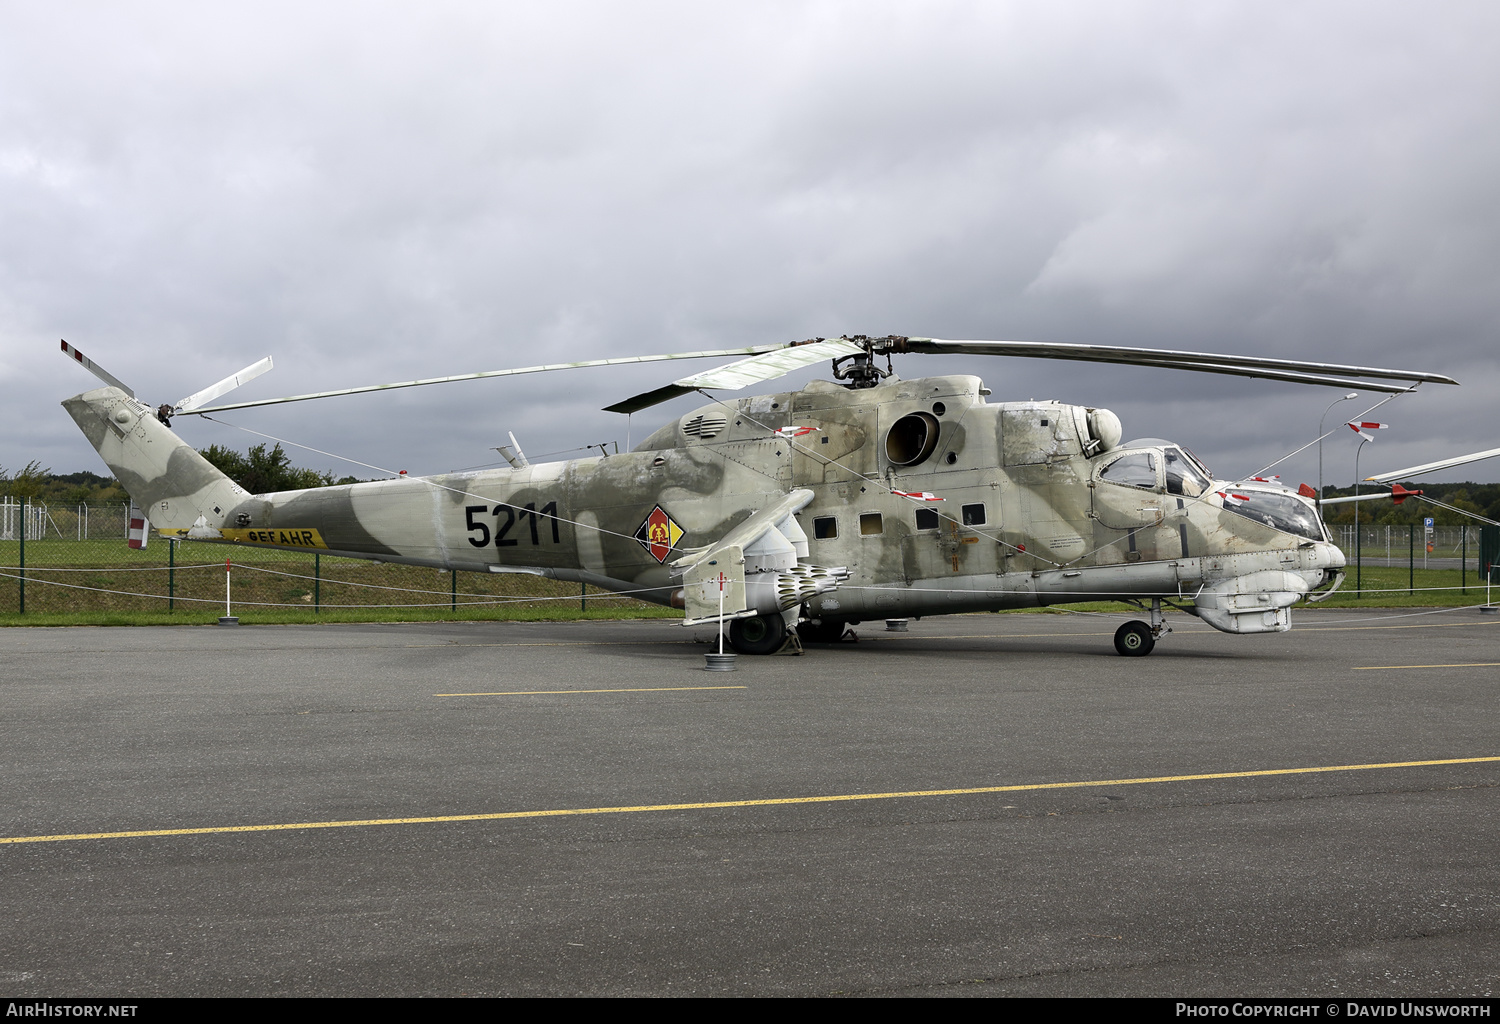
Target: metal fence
pixel 62 522
pixel 77 560
pixel 1412 547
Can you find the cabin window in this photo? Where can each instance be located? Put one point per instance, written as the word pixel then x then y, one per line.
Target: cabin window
pixel 825 528
pixel 927 519
pixel 871 524
pixel 974 514
pixel 1137 469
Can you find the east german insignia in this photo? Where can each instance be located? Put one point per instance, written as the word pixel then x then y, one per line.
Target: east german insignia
pixel 658 534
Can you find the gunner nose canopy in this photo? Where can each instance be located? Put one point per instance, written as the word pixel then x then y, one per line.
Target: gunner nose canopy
pixel 1279 511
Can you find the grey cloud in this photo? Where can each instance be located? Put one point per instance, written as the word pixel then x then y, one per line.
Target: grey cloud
pixel 378 193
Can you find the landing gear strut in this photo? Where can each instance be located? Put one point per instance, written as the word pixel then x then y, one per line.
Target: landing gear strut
pixel 1136 639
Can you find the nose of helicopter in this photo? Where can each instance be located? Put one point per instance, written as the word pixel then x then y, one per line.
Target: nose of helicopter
pixel 1336 559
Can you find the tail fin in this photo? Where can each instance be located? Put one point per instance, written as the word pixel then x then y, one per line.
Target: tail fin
pixel 171 482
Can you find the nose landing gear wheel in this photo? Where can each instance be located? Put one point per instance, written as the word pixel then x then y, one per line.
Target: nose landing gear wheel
pixel 763 634
pixel 1134 639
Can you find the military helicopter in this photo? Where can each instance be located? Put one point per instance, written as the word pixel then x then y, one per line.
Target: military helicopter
pixel 793 515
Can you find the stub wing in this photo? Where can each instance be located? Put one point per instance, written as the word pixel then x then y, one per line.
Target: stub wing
pixel 755 567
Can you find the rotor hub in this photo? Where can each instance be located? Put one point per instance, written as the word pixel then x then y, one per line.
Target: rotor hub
pixel 859 370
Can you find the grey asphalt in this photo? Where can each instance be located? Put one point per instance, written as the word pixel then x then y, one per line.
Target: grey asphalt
pixel 1355 882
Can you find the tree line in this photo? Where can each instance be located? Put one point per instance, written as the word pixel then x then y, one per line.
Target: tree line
pixel 258 470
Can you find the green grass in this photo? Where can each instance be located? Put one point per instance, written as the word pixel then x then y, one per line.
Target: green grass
pixel 1388 588
pixel 276 616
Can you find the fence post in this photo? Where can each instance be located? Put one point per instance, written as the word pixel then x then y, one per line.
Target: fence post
pixel 1463 559
pixel 171 574
pixel 317 583
pixel 21 604
pixel 583 596
pixel 1411 558
pixel 453 590
pixel 1359 562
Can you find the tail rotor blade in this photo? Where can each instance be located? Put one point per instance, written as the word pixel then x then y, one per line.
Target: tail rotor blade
pixel 94 368
pixel 224 386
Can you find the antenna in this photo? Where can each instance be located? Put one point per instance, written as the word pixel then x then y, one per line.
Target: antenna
pixel 512 452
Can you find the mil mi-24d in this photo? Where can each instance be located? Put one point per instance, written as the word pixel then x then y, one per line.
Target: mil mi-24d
pixel 862 497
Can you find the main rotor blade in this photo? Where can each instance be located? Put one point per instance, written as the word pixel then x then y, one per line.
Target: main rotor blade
pixel 617 361
pixel 94 368
pixel 1201 361
pixel 224 386
pixel 1287 375
pixel 783 359
pixel 1433 467
pixel 769 366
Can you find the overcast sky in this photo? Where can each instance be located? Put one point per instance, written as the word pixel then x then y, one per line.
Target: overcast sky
pixel 374 192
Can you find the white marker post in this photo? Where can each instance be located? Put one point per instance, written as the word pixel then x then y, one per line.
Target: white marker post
pixel 720 662
pixel 227 619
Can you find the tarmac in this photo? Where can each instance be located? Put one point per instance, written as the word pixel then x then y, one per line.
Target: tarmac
pixel 984 805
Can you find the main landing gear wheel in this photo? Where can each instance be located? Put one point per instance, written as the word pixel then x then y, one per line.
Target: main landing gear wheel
pixel 1134 639
pixel 763 634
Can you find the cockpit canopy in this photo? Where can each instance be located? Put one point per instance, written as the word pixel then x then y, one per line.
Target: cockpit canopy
pixel 1156 465
pixel 1277 509
pixel 1162 467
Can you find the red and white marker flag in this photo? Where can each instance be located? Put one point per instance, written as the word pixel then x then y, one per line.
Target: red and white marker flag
pixel 1227 495
pixel 140 528
pixel 795 431
pixel 1360 428
pixel 918 495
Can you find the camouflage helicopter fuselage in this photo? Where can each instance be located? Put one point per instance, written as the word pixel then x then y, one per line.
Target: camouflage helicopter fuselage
pixel 1033 510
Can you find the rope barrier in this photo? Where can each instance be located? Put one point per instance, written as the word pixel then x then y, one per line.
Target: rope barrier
pixel 473 599
pixel 1114 595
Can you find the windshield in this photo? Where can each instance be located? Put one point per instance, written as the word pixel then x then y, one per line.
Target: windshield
pixel 1183 476
pixel 1278 511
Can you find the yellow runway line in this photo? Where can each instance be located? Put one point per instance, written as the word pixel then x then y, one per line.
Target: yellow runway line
pixel 720 804
pixel 633 689
pixel 1471 664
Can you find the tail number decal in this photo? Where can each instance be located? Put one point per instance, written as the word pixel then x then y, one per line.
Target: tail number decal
pixel 528 512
